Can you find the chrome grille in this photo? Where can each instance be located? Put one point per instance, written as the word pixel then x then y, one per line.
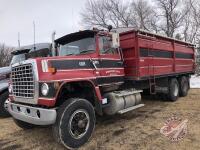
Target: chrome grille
pixel 23 81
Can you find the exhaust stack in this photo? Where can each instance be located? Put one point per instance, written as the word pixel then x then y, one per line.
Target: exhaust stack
pixel 53 50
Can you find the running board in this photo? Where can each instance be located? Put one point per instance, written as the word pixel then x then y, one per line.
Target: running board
pixel 130 109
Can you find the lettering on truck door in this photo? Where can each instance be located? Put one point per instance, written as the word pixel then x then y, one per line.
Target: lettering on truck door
pixel 111 68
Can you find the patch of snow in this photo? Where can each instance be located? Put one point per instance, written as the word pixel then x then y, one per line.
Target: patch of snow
pixel 195 82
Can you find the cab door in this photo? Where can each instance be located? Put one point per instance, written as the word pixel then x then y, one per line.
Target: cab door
pixel 111 69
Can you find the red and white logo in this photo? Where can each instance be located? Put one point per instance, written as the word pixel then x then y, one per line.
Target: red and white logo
pixel 174 128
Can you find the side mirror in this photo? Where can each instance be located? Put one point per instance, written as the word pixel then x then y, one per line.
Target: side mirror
pixel 115 40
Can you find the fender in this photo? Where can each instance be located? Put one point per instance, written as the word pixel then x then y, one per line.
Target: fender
pixel 52 102
pixel 4 85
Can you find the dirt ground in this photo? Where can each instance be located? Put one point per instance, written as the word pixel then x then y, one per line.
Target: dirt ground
pixel 139 129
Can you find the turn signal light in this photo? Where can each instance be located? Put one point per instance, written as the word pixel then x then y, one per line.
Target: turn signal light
pixel 52 70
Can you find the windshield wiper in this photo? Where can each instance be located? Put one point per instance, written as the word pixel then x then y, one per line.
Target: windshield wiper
pixel 85 51
pixel 69 54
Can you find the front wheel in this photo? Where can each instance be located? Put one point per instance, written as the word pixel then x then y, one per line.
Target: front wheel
pixel 75 123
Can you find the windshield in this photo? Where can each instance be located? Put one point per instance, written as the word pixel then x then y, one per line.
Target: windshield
pixel 17 58
pixel 82 46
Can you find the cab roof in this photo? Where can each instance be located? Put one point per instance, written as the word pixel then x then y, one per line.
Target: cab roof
pixel 76 36
pixel 30 48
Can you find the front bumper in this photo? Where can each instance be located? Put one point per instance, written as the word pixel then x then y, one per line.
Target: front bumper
pixel 32 115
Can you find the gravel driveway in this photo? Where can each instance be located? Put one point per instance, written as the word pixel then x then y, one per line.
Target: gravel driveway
pixel 139 129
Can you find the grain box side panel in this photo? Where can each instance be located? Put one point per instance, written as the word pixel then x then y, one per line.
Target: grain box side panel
pixel 184 58
pixel 156 56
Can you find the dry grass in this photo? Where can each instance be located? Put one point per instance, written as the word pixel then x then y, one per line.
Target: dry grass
pixel 135 130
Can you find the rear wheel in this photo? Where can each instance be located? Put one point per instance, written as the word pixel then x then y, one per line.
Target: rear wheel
pixel 184 86
pixel 23 125
pixel 75 123
pixel 3 112
pixel 173 93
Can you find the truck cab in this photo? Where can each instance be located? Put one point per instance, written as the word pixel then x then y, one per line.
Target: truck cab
pixel 87 60
pixel 94 53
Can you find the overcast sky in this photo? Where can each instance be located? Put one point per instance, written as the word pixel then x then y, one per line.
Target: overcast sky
pixel 49 15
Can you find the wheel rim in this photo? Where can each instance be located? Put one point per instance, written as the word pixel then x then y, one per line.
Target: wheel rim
pixel 79 123
pixel 175 90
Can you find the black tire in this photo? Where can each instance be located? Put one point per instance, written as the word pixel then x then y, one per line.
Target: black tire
pixel 161 96
pixel 62 129
pixel 24 125
pixel 173 90
pixel 3 97
pixel 184 86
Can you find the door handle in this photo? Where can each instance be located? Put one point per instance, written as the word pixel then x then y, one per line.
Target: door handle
pixel 93 63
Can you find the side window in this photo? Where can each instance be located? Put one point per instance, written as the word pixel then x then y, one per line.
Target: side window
pixel 105 46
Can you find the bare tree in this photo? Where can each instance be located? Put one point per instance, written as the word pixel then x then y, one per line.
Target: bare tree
pixel 106 12
pixel 195 22
pixel 191 22
pixel 95 14
pixel 144 16
pixel 171 16
pixel 117 13
pixel 5 55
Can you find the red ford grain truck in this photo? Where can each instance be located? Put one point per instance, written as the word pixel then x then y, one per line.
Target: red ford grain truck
pixel 99 72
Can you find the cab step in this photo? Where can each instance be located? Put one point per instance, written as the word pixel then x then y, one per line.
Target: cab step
pixel 127 92
pixel 130 109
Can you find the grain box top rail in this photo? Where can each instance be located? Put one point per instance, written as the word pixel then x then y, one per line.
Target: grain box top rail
pixel 150 34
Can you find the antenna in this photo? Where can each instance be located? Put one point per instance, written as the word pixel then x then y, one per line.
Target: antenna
pixel 18 39
pixel 34 35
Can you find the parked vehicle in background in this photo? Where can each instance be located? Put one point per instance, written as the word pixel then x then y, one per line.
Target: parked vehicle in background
pixel 26 52
pixel 4 94
pixel 96 71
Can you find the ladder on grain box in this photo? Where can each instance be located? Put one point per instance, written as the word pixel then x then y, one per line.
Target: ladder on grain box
pixel 152 79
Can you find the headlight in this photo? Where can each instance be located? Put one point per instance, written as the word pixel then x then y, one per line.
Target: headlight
pixel 45 89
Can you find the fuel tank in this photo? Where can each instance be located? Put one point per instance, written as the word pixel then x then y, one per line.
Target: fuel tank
pixel 120 100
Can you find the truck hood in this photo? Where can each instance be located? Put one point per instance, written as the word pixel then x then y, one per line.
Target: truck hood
pixel 5 70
